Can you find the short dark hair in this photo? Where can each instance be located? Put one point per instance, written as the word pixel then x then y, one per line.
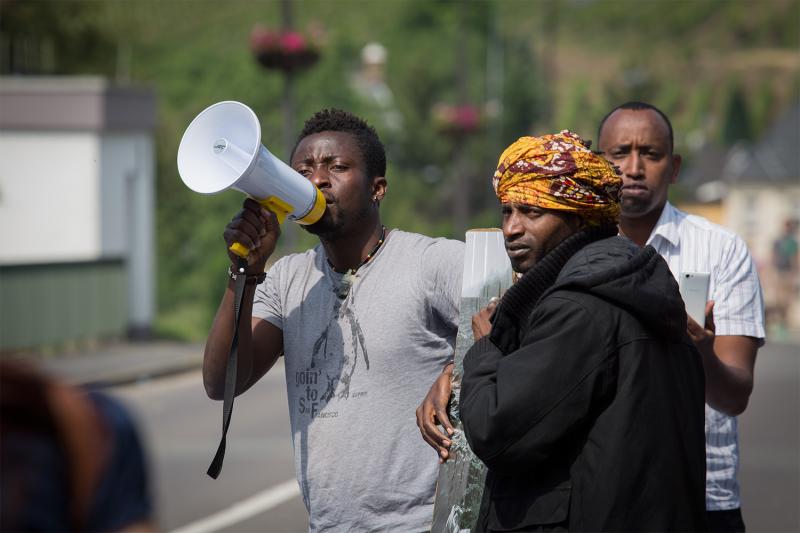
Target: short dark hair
pixel 639 106
pixel 366 137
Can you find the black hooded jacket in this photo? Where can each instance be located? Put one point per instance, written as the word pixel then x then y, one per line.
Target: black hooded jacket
pixel 586 402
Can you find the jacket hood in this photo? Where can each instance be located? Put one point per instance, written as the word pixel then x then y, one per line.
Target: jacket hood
pixel 521 298
pixel 636 279
pixel 599 262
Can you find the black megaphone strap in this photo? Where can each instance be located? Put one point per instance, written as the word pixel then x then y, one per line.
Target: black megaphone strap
pixel 230 371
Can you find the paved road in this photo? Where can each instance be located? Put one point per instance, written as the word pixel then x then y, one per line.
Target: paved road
pixel 182 428
pixel 770 443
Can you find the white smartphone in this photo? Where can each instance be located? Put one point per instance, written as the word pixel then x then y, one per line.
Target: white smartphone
pixel 694 291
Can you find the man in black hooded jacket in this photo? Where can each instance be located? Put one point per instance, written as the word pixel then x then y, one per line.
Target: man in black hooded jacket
pixel 584 396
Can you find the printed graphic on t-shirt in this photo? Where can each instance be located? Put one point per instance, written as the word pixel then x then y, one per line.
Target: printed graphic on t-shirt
pixel 338 350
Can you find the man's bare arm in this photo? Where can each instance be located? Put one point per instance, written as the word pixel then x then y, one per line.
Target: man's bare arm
pixel 433 411
pixel 729 373
pixel 260 343
pixel 729 364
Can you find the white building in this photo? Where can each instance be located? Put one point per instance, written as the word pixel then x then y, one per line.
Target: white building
pixel 76 211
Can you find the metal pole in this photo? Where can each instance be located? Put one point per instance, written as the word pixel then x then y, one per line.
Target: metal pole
pixel 287 103
pixel 461 166
pixel 287 106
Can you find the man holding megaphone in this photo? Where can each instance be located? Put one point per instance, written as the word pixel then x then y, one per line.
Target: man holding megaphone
pixel 364 320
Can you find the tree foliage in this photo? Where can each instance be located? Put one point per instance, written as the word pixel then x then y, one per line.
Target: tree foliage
pixel 717 67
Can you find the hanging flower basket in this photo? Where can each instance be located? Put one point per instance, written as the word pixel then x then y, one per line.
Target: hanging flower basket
pixel 457 120
pixel 287 51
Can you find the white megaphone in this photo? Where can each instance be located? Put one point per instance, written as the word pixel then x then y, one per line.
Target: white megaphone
pixel 222 149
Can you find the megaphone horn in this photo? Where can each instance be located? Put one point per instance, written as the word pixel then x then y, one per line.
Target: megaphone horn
pixel 222 149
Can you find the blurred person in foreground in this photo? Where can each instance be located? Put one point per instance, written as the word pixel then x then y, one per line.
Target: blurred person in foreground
pixel 583 394
pixel 364 320
pixel 637 137
pixel 70 459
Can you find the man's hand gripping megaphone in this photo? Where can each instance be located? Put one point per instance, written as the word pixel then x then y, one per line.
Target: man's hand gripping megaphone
pixel 254 230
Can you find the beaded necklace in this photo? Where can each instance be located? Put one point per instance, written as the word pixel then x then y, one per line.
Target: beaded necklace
pixel 350 276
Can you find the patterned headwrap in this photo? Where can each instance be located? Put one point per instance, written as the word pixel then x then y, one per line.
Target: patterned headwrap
pixel 559 172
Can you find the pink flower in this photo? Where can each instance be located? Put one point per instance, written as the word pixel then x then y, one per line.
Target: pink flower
pixel 285 50
pixel 457 119
pixel 292 41
pixel 466 117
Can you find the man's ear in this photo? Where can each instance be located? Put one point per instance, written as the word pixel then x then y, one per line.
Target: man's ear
pixel 676 167
pixel 379 185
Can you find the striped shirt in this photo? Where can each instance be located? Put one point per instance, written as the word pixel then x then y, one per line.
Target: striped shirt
pixel 693 244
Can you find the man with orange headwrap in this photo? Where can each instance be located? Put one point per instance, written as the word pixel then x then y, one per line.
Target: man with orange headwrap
pixel 583 395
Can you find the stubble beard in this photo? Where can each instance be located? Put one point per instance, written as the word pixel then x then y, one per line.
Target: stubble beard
pixel 634 207
pixel 524 264
pixel 517 267
pixel 334 227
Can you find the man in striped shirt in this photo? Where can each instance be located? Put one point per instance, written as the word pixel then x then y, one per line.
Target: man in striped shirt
pixel 637 137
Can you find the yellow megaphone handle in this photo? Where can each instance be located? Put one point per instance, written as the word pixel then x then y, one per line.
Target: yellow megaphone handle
pixel 277 206
pixel 239 249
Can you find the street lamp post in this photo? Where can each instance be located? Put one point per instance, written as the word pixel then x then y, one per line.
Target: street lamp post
pixel 288 52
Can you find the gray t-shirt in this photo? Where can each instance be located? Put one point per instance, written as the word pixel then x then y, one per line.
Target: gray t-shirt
pixel 357 368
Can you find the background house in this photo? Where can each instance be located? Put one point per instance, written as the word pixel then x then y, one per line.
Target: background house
pixel 763 183
pixel 753 189
pixel 76 211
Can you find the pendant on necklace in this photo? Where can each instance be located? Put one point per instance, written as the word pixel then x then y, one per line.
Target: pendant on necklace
pixel 350 276
pixel 347 281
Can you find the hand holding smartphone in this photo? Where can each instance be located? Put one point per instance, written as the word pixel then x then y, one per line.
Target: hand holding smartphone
pixel 694 291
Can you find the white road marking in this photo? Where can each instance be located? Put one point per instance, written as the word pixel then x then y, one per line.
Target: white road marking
pixel 257 504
